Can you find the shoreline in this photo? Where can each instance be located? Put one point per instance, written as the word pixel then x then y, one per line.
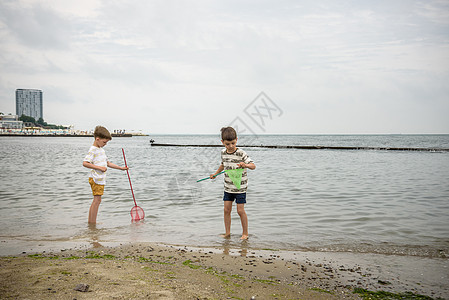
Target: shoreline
pixel 145 270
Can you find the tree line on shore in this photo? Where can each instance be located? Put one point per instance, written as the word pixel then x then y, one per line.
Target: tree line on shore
pixel 40 122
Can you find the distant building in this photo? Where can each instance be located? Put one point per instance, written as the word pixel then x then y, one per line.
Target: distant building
pixel 29 103
pixel 10 122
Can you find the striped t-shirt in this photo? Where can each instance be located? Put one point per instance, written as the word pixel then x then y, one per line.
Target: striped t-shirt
pixel 229 162
pixel 97 156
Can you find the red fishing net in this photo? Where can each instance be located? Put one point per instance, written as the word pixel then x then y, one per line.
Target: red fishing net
pixel 137 213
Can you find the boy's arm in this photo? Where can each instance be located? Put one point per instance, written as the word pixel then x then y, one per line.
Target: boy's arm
pixel 92 166
pixel 250 166
pixel 220 168
pixel 114 166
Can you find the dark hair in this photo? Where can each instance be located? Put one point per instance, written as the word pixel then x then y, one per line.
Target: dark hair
pixel 102 133
pixel 228 134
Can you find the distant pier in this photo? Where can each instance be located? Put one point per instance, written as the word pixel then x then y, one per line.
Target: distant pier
pixel 314 147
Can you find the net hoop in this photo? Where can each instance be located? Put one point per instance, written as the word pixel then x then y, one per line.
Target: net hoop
pixel 137 213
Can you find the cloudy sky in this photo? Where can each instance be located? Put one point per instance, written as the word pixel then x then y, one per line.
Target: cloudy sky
pixel 187 66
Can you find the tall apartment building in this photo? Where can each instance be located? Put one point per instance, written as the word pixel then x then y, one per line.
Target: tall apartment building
pixel 29 103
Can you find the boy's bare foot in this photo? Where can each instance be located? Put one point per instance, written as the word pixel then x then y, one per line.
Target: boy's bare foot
pixel 225 236
pixel 244 237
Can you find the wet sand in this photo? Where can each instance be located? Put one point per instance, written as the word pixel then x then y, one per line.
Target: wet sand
pixel 151 271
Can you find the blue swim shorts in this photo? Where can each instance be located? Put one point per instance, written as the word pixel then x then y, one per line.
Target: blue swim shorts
pixel 239 198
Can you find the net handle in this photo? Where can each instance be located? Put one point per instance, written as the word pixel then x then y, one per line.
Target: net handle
pixel 129 178
pixel 209 177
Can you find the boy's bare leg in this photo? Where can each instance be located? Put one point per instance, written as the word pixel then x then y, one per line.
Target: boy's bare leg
pixel 244 219
pixel 227 218
pixel 93 211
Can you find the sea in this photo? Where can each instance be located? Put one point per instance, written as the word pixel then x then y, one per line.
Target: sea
pixel 321 200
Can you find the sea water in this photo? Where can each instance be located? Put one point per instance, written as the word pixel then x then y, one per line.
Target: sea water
pixel 365 201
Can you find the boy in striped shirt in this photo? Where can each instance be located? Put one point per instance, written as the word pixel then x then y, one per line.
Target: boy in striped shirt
pixel 234 158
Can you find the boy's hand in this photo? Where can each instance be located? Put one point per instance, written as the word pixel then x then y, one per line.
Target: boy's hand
pixel 124 168
pixel 102 169
pixel 212 176
pixel 241 165
pixel 250 166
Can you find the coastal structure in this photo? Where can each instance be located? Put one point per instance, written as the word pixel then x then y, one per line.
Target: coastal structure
pixel 10 122
pixel 152 143
pixel 29 102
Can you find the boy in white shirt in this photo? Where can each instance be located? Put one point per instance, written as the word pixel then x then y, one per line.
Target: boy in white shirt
pixel 97 160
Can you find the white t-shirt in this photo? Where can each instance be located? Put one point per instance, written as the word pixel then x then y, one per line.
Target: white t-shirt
pixel 229 162
pixel 97 156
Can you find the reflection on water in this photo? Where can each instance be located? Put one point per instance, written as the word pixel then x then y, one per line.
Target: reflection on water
pixel 228 247
pixel 325 200
pixel 94 235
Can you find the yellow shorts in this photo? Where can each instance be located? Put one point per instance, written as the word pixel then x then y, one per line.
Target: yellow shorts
pixel 97 189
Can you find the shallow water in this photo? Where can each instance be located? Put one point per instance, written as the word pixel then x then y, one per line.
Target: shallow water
pixel 322 200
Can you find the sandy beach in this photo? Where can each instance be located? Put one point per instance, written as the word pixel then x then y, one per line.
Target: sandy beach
pixel 152 271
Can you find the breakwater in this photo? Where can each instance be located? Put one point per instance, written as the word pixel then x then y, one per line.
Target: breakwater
pixel 313 147
pixel 60 135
